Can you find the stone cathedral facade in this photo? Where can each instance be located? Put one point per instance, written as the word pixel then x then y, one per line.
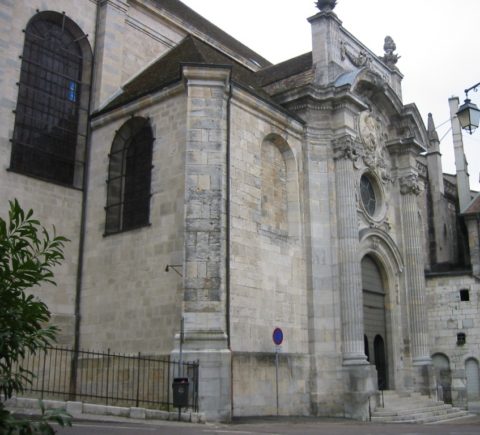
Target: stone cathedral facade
pixel 304 195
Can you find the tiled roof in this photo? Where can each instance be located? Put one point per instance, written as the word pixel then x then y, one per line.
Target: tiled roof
pixel 285 69
pixel 167 70
pixel 191 17
pixel 474 207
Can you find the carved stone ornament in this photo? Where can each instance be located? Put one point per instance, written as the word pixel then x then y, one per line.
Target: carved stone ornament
pixel 373 136
pixel 346 148
pixel 326 5
pixel 409 184
pixel 390 58
pixel 360 60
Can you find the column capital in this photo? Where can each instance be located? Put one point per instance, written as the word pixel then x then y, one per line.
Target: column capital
pixel 207 76
pixel 409 184
pixel 346 147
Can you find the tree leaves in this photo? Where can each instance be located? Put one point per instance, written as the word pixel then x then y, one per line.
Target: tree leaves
pixel 28 254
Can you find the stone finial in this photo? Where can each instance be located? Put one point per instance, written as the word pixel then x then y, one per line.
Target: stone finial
pixel 326 5
pixel 389 46
pixel 432 132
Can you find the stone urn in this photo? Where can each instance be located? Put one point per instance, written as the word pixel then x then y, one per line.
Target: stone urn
pixel 326 5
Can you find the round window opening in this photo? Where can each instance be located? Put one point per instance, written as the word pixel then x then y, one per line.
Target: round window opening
pixel 367 192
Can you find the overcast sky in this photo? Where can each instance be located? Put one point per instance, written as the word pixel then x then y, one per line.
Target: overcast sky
pixel 438 41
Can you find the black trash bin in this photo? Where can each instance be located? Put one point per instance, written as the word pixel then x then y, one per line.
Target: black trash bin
pixel 180 392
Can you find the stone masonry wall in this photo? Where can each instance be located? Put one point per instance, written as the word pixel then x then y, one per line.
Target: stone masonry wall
pixel 130 303
pixel 52 204
pixel 254 384
pixel 130 36
pixel 448 316
pixel 268 284
pixel 268 267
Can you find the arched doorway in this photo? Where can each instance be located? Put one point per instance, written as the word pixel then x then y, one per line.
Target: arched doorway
pixel 380 362
pixel 374 318
pixel 444 377
pixel 471 373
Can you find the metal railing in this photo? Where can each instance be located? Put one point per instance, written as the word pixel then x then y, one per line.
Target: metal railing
pixel 108 378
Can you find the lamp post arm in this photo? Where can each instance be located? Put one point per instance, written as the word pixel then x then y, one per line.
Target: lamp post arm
pixel 474 87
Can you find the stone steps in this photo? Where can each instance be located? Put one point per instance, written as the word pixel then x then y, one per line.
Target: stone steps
pixel 414 408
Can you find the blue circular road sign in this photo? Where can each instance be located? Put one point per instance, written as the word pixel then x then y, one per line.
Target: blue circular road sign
pixel 277 336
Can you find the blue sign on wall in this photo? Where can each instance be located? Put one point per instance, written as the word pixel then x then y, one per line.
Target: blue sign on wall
pixel 277 336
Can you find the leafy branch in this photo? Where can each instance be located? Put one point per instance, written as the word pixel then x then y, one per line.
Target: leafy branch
pixel 28 255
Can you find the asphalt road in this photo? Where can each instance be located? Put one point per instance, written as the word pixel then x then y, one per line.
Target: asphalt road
pixel 286 426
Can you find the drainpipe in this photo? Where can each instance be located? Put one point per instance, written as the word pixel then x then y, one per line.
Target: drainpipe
pixel 227 235
pixel 83 224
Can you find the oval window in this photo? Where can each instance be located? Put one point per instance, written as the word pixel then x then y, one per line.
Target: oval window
pixel 367 192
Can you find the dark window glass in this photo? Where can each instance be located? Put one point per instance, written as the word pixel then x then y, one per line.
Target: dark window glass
pixel 129 178
pixel 367 192
pixel 46 121
pixel 464 295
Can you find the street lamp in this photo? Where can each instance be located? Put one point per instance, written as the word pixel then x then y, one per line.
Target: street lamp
pixel 468 113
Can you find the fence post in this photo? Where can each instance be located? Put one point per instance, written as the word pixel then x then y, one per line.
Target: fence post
pixel 73 375
pixel 43 372
pixel 197 380
pixel 108 372
pixel 168 382
pixel 138 381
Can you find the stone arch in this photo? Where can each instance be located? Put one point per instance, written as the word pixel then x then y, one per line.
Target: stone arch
pixel 405 120
pixel 368 83
pixel 280 210
pixel 443 374
pixel 374 316
pixel 379 247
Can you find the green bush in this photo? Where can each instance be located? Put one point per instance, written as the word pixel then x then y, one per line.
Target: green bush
pixel 28 253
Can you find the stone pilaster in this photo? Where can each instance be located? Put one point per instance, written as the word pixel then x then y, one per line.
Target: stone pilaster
pixel 350 277
pixel 205 297
pixel 409 189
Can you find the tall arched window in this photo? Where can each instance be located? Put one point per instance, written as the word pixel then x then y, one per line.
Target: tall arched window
pixel 49 138
pixel 129 177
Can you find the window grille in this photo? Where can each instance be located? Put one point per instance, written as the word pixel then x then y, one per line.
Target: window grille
pixel 46 118
pixel 129 177
pixel 367 193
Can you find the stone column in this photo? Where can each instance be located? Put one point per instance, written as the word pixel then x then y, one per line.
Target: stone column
pixel 205 297
pixel 350 274
pixel 409 188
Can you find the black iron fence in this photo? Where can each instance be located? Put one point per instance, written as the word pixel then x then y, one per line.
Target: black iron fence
pixel 109 378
